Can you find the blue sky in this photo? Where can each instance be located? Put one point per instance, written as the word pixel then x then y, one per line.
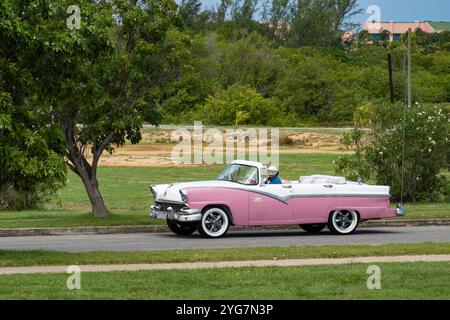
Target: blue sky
pixel 398 10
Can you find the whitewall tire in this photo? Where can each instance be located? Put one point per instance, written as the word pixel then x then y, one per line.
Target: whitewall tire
pixel 214 223
pixel 343 221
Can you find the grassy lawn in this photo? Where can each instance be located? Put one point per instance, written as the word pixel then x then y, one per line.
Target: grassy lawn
pixel 38 257
pixel 73 218
pixel 428 280
pixel 125 190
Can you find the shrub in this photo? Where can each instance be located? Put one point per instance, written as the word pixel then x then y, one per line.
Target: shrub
pixel 239 105
pixel 378 155
pixel 13 199
pixel 31 157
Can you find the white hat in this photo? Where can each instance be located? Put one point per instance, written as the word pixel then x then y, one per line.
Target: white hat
pixel 272 170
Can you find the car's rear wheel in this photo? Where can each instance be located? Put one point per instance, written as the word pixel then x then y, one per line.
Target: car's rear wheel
pixel 343 221
pixel 182 229
pixel 313 227
pixel 214 223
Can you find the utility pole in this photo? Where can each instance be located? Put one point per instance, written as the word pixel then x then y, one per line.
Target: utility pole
pixel 400 206
pixel 409 69
pixel 391 80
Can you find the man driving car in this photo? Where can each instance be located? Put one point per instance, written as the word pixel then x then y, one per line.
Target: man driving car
pixel 273 178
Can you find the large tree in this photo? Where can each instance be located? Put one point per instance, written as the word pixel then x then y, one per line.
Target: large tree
pixel 320 22
pixel 31 145
pixel 190 11
pixel 222 10
pixel 100 80
pixel 277 14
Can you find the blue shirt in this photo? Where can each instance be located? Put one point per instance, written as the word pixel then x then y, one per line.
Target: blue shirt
pixel 274 180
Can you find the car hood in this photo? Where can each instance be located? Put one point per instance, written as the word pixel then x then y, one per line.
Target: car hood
pixel 171 192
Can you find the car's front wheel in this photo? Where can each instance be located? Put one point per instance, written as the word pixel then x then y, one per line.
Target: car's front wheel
pixel 343 221
pixel 313 227
pixel 214 223
pixel 182 229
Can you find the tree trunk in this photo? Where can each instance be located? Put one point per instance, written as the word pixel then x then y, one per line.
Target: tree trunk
pixel 97 202
pixel 87 172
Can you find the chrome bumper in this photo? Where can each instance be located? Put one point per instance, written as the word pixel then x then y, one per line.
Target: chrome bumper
pixel 184 215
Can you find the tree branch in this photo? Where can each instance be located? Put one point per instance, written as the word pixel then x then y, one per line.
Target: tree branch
pixel 71 166
pixel 98 152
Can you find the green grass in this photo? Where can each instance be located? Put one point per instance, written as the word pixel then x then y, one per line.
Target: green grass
pixel 428 211
pixel 126 193
pixel 71 218
pixel 125 190
pixel 38 257
pixel 428 280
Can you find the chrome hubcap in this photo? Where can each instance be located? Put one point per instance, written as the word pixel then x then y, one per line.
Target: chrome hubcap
pixel 345 221
pixel 215 222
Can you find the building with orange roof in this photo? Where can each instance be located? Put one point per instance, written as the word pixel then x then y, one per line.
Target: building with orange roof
pixel 396 29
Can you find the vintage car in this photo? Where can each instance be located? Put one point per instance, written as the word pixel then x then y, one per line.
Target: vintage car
pixel 240 197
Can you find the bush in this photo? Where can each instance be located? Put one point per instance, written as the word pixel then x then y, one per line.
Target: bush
pixel 31 157
pixel 12 199
pixel 239 105
pixel 378 154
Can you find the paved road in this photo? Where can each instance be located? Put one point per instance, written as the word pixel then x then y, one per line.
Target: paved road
pixel 164 241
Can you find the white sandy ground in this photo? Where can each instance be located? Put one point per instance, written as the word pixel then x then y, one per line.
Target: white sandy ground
pixel 148 153
pixel 226 264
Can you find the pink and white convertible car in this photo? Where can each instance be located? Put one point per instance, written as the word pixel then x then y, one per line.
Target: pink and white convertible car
pixel 240 197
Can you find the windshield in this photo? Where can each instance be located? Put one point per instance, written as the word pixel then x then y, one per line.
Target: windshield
pixel 240 173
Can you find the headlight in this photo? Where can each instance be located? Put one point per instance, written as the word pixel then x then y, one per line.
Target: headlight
pixel 154 194
pixel 183 195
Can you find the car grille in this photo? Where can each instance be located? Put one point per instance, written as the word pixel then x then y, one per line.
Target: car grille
pixel 175 206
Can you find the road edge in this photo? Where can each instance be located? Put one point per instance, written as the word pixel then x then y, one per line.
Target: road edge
pixel 25 232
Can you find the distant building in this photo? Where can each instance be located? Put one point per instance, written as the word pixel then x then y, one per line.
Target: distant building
pixel 396 29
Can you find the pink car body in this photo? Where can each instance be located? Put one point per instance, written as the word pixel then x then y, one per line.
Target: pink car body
pixel 250 202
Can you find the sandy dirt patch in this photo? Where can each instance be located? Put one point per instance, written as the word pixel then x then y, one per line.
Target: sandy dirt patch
pixel 156 147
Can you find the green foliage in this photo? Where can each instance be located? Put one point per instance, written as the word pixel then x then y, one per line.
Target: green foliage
pixel 97 84
pixel 237 105
pixel 319 23
pixel 31 146
pixel 31 162
pixel 190 12
pixel 195 81
pixel 249 61
pixel 312 85
pixel 316 87
pixel 379 155
pixel 147 61
pixel 302 61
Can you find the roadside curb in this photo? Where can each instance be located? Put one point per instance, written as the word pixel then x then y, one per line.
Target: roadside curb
pixel 25 232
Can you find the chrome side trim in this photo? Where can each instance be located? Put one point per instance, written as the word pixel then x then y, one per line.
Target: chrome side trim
pixel 371 195
pixel 286 198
